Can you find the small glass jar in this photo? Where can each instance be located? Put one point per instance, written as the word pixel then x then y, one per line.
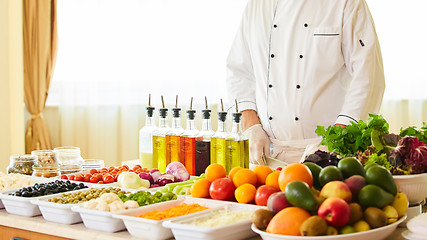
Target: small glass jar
pixel 70 159
pixel 46 172
pixel 92 163
pixel 22 164
pixel 47 158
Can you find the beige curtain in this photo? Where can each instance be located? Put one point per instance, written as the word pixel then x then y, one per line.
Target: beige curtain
pixel 40 45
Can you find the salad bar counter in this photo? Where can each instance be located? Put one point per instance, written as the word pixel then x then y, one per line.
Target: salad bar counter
pixel 36 228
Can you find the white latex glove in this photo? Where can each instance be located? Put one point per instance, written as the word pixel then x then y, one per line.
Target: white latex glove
pixel 259 143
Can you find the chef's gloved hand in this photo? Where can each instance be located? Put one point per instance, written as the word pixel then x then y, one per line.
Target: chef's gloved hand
pixel 259 143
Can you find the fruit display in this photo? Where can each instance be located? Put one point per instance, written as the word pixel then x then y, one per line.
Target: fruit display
pixel 346 198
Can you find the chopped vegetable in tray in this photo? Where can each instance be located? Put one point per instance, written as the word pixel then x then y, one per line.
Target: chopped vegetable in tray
pixel 179 210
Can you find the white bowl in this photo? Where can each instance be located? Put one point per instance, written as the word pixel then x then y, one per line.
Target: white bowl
pixel 183 229
pixel 414 186
pixel 377 234
pixel 153 229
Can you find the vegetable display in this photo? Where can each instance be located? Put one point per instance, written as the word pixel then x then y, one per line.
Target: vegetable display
pixel 145 198
pixel 179 210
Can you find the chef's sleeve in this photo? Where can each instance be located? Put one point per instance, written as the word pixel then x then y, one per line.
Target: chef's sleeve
pixel 362 56
pixel 239 69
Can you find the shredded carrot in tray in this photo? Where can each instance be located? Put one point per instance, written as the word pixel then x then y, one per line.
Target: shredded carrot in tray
pixel 179 210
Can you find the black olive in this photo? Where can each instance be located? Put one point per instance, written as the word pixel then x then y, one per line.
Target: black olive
pixel 26 194
pixel 81 185
pixel 17 194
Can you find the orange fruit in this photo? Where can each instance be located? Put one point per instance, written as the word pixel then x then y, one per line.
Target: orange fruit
pixel 273 179
pixel 243 176
pixel 293 172
pixel 288 221
pixel 245 193
pixel 261 173
pixel 233 171
pixel 200 188
pixel 215 171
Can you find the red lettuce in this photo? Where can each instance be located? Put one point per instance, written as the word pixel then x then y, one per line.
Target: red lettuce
pixel 410 153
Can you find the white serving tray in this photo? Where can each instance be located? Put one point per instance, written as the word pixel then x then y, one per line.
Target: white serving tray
pixel 99 220
pixel 154 230
pixel 19 205
pixel 183 230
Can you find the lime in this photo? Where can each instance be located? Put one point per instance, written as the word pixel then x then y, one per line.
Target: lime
pixel 350 166
pixel 330 173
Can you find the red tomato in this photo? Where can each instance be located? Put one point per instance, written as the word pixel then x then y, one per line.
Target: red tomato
pixel 64 177
pixel 87 177
pixel 79 177
pixel 104 170
pixel 110 169
pixel 107 178
pixel 222 189
pixel 137 167
pixel 125 166
pixel 263 193
pixel 115 177
pixel 99 176
pixel 94 179
pixel 93 171
pixel 101 182
pixel 71 177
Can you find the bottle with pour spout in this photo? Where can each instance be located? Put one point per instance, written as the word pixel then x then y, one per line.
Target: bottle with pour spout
pixel 146 139
pixel 173 137
pixel 218 146
pixel 159 140
pixel 237 144
pixel 188 142
pixel 203 142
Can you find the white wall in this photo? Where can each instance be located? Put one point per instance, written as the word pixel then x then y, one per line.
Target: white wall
pixel 12 126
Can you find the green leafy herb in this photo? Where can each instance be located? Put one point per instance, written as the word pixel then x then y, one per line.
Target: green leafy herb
pixel 347 141
pixel 421 133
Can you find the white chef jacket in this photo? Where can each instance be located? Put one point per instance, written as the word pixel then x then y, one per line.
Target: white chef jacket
pixel 303 63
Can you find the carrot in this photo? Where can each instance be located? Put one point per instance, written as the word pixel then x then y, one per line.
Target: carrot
pixel 179 210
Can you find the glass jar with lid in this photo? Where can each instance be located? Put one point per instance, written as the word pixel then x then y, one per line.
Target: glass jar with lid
pixel 70 159
pixel 22 164
pixel 46 158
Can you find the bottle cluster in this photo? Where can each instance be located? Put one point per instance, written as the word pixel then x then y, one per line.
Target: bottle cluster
pixel 195 149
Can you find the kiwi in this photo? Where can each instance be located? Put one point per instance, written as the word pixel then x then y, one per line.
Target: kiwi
pixel 314 226
pixel 261 218
pixel 356 213
pixel 375 217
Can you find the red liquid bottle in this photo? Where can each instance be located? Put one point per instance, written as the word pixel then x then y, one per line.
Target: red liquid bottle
pixel 188 143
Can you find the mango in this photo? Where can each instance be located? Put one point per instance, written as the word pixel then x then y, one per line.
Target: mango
pixel 381 177
pixel 373 196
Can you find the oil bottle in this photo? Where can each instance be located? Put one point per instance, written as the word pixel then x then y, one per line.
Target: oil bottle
pixel 159 140
pixel 146 138
pixel 188 142
pixel 218 147
pixel 237 145
pixel 203 142
pixel 173 137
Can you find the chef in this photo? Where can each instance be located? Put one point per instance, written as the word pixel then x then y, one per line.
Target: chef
pixel 294 65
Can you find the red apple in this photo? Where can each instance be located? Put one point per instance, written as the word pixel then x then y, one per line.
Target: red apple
pixel 222 189
pixel 263 193
pixel 277 201
pixel 335 211
pixel 336 189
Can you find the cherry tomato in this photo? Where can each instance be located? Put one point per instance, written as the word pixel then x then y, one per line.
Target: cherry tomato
pixel 99 176
pixel 94 179
pixel 87 177
pixel 111 169
pixel 115 177
pixel 79 177
pixel 101 182
pixel 64 177
pixel 136 167
pixel 125 166
pixel 71 177
pixel 93 171
pixel 108 178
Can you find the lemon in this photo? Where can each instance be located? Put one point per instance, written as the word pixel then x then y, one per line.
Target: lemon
pixel 400 203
